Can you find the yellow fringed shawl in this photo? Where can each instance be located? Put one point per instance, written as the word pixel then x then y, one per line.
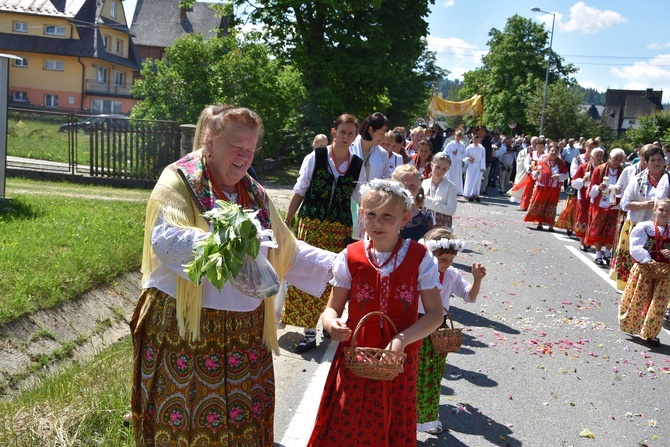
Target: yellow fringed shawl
pixel 172 198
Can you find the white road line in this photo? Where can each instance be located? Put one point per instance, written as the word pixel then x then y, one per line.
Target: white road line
pixel 604 274
pixel 302 422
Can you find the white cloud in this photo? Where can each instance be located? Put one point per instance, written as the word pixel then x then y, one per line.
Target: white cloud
pixel 642 75
pixel 585 19
pixel 455 55
pixel 449 3
pixel 658 46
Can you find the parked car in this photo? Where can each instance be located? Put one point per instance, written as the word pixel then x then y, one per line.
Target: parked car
pixel 120 121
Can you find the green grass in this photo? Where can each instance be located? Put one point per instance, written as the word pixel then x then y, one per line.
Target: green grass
pixel 60 240
pixel 83 406
pixel 39 139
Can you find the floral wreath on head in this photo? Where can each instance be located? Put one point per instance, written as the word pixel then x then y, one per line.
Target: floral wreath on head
pixel 444 243
pixel 390 186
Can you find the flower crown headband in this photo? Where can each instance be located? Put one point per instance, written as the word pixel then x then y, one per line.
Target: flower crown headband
pixel 390 186
pixel 444 243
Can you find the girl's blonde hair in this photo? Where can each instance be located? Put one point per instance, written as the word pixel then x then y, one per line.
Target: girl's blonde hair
pixel 441 156
pixel 318 138
pixel 405 169
pixel 664 200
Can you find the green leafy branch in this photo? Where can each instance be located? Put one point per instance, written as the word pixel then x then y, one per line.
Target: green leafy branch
pixel 219 256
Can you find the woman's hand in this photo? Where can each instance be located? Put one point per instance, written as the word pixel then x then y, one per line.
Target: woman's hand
pixel 666 253
pixel 339 331
pixel 555 176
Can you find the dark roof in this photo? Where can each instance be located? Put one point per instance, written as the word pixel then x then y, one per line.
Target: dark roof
pixel 620 104
pixel 90 39
pixel 157 23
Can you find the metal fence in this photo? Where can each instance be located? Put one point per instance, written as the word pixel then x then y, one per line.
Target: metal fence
pixel 99 146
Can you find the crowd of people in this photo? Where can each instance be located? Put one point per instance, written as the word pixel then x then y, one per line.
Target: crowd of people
pixel 369 230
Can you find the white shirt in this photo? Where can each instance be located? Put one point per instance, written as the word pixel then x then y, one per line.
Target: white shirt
pixel 453 282
pixel 378 160
pixel 639 236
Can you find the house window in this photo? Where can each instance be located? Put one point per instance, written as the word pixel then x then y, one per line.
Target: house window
pixel 105 106
pixel 631 122
pixel 51 64
pixel 20 27
pixel 51 101
pixel 112 9
pixel 102 74
pixel 20 96
pixel 105 40
pixel 54 30
pixel 119 46
pixel 119 77
pixel 23 62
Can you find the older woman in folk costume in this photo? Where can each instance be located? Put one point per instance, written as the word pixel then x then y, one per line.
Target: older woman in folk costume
pixel 639 183
pixel 529 164
pixel 568 217
pixel 475 162
pixel 202 356
pixel 645 300
pixel 328 180
pixel 371 132
pixel 580 182
pixel 521 180
pixel 456 151
pixel 604 206
pixel 549 173
pixel 415 136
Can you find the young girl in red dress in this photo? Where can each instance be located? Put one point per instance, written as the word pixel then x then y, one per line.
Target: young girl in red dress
pixel 389 274
pixel 422 159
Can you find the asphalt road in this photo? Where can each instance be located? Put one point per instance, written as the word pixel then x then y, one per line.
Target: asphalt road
pixel 543 362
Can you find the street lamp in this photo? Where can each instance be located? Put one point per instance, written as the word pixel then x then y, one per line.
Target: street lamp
pixel 546 79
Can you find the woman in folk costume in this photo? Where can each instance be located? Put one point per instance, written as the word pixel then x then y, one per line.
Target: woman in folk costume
pixel 329 178
pixel 456 151
pixel 529 164
pixel 549 173
pixel 366 146
pixel 604 206
pixel 443 245
pixel 202 357
pixel 387 274
pixel 644 300
pixel 581 182
pixel 638 202
pixel 475 162
pixel 521 179
pixel 422 159
pixel 439 193
pixel 415 136
pixel 568 216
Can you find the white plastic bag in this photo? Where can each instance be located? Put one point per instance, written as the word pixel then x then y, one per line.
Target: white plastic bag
pixel 257 278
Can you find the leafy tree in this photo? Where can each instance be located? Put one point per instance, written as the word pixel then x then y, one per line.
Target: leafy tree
pixel 511 71
pixel 562 113
pixel 228 69
pixel 654 127
pixel 381 65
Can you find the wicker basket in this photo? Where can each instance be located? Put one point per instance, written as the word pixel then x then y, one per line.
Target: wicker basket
pixel 655 270
pixel 373 363
pixel 446 340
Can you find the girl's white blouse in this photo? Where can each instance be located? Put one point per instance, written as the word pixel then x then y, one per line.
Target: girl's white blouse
pixel 429 276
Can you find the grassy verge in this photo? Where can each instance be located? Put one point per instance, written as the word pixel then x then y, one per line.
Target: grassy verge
pixel 83 406
pixel 59 240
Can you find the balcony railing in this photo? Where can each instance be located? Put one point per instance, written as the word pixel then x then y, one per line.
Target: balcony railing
pixel 93 86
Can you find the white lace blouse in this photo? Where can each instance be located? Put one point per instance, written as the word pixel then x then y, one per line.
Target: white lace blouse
pixel 173 248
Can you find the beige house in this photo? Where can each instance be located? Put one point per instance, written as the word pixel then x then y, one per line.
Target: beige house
pixel 76 54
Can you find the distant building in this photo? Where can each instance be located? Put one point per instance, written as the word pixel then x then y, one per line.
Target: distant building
pixel 158 23
pixel 76 54
pixel 624 108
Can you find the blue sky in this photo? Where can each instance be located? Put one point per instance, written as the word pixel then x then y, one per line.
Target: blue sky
pixel 621 44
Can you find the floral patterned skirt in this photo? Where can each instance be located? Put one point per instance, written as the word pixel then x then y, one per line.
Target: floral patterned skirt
pixel 300 308
pixel 568 217
pixel 218 390
pixel 602 225
pixel 622 261
pixel 643 304
pixel 582 217
pixel 542 207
